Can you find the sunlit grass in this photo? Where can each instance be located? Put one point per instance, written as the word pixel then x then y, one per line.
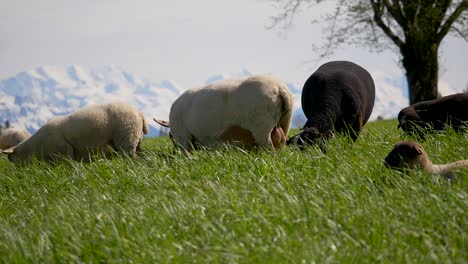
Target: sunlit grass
pixel 228 205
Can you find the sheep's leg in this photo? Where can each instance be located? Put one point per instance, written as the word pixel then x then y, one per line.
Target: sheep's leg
pixel 285 122
pixel 356 128
pixel 183 140
pixel 60 150
pixel 350 127
pixel 263 137
pixel 128 148
pixel 126 142
pixel 138 147
pixel 184 145
pixel 354 133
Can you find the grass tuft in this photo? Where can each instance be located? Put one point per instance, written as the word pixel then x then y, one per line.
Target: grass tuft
pixel 229 205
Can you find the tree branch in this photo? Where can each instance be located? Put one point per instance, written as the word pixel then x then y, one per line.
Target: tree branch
pixel 378 12
pixel 445 28
pixel 395 10
pixel 460 33
pixel 442 6
pixel 290 9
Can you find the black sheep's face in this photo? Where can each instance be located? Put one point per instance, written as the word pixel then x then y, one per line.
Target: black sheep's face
pixel 405 154
pixel 307 136
pixel 410 122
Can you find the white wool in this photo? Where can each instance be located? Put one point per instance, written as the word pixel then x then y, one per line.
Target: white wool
pixel 11 137
pixel 77 135
pixel 257 104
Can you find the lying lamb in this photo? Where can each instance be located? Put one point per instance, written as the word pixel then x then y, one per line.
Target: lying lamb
pixel 78 135
pixel 409 154
pixel 11 137
pixel 251 112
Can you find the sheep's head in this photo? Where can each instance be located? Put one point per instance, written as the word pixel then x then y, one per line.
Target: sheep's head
pixel 307 136
pixel 11 154
pixel 410 121
pixel 405 154
pixel 17 155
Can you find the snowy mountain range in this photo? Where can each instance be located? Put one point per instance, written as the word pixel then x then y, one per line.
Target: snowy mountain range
pixel 31 98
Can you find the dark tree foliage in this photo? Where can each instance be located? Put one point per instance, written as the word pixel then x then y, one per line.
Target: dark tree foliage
pixel 413 28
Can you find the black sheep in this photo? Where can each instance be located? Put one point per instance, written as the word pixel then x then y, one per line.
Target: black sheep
pixel 435 114
pixel 338 97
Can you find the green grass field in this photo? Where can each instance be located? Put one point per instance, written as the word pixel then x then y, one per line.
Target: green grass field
pixel 229 206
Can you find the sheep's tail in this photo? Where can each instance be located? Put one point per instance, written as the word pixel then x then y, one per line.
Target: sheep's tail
pixel 162 122
pixel 145 124
pixel 287 107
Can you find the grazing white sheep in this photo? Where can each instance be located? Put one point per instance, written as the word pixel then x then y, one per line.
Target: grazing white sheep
pixel 251 112
pixel 11 137
pixel 77 135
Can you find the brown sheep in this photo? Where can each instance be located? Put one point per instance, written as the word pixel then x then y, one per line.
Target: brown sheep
pixel 411 155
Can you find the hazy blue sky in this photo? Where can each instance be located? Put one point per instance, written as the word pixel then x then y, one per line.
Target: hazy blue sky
pixel 183 40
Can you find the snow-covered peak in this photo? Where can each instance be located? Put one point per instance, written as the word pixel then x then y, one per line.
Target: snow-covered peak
pixel 31 98
pixel 223 76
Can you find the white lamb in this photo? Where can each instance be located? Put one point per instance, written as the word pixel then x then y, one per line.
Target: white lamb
pixel 255 112
pixel 77 135
pixel 12 136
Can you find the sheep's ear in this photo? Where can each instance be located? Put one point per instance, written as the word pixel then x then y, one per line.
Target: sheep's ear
pixel 8 151
pixel 162 122
pixel 418 150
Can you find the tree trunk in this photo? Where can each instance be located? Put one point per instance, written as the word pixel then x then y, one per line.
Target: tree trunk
pixel 420 61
